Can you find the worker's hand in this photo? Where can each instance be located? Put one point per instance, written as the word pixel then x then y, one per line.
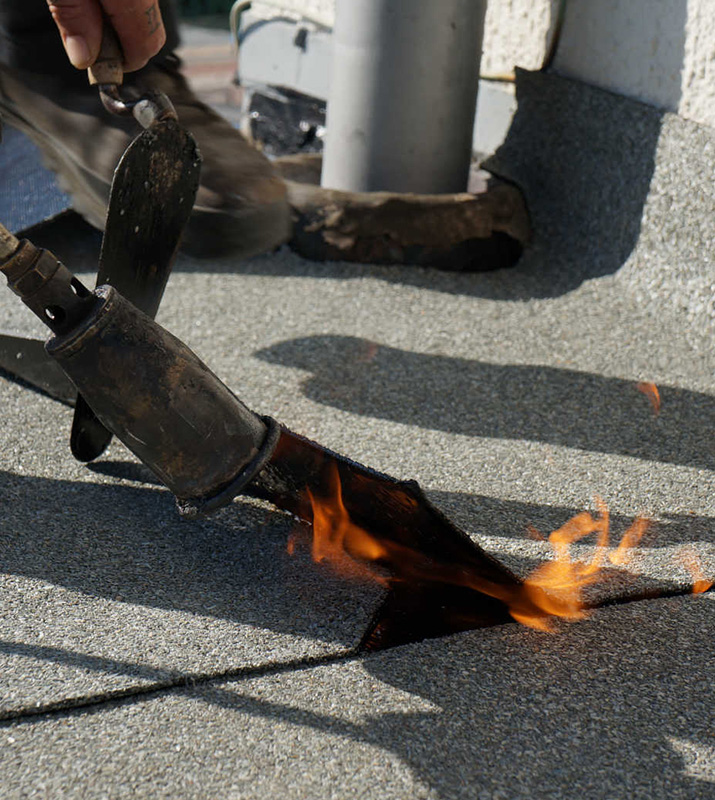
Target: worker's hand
pixel 137 22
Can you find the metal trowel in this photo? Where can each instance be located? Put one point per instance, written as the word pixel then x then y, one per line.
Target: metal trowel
pixel 152 194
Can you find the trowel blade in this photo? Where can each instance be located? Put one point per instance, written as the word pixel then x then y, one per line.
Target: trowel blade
pixel 153 192
pixel 439 576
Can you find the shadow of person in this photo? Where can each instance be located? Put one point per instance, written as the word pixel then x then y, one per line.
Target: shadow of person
pixel 502 401
pixel 617 706
pixel 129 544
pixel 590 710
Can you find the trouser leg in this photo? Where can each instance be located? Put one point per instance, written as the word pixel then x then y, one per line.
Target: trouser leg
pixel 29 39
pixel 241 208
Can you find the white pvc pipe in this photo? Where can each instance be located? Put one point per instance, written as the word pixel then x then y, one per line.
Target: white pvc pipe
pixel 403 95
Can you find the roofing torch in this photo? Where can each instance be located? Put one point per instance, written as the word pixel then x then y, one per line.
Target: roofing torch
pixel 151 391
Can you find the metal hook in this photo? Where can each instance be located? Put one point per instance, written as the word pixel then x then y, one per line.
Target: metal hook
pixel 154 106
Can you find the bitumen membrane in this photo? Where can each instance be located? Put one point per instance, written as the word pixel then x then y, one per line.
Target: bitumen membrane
pixel 617 706
pixel 145 655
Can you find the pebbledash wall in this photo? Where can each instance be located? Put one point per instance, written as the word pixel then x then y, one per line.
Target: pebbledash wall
pixel 659 51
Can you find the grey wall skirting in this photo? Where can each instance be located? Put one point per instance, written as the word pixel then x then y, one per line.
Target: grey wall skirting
pixel 614 187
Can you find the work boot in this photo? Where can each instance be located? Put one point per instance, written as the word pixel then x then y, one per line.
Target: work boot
pixel 241 207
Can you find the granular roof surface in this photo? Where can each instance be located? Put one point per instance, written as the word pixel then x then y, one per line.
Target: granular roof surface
pixel 143 655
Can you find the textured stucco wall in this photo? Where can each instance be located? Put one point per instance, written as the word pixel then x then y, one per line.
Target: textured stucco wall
pixel 515 30
pixel 320 10
pixel 698 77
pixel 516 33
pixel 658 51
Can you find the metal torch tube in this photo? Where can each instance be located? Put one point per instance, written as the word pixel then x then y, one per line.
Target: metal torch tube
pixel 403 95
pixel 146 387
pixel 164 403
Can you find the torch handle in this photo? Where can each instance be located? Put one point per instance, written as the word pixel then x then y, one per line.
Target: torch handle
pixel 108 69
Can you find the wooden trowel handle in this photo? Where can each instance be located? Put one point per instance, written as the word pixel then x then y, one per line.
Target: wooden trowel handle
pixel 108 68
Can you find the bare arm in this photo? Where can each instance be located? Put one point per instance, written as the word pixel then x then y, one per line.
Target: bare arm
pixel 138 25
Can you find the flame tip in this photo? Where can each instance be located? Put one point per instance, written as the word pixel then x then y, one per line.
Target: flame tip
pixel 650 390
pixel 554 590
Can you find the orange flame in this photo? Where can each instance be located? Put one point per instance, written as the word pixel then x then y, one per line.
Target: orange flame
pixel 337 540
pixel 368 352
pixel 622 554
pixel 556 587
pixel 691 561
pixel 553 590
pixel 650 390
pixel 535 534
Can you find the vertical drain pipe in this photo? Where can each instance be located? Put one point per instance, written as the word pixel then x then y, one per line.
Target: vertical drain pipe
pixel 403 95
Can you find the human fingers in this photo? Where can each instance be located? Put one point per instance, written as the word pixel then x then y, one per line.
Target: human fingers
pixel 80 26
pixel 138 25
pixel 139 28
